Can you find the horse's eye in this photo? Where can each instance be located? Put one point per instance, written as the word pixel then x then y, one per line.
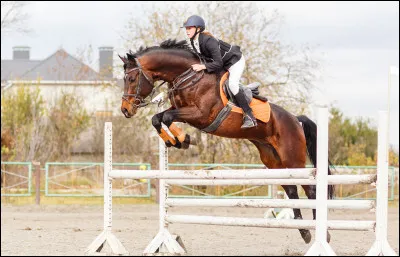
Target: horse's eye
pixel 132 79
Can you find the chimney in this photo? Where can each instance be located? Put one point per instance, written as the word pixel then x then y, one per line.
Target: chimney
pixel 106 61
pixel 21 52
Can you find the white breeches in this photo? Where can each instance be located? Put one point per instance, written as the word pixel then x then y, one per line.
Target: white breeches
pixel 235 73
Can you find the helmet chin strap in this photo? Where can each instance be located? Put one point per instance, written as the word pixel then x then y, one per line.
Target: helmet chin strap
pixel 194 48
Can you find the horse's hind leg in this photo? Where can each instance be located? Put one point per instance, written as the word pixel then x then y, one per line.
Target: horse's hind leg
pixel 270 157
pixel 291 192
pixel 311 193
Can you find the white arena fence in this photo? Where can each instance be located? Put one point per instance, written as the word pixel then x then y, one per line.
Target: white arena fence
pixel 166 243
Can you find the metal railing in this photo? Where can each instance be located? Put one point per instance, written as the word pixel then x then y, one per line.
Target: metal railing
pixel 85 179
pixel 14 177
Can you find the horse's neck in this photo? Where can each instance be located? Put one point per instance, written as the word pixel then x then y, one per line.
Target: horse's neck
pixel 170 66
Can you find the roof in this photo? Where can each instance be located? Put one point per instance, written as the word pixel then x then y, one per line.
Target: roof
pixel 58 66
pixel 12 69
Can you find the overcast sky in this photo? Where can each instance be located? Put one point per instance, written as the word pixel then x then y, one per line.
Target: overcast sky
pixel 358 41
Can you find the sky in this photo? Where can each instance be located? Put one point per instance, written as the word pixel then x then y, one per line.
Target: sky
pixel 358 41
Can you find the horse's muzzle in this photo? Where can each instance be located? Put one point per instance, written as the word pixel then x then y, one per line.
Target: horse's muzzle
pixel 126 113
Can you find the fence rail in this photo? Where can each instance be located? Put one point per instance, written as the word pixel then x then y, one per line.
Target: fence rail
pixel 84 179
pixel 17 181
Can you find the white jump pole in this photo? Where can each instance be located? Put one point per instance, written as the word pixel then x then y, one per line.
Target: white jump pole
pixel 358 225
pixel 106 235
pixel 271 203
pixel 297 173
pixel 332 180
pixel 320 245
pixel 381 245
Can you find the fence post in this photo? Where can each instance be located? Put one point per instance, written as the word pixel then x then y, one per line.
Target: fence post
pixel 162 165
pixel 381 245
pixel 321 246
pixel 157 187
pixel 37 181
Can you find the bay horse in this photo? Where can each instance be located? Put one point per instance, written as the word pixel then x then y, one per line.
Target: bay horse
pixel 282 142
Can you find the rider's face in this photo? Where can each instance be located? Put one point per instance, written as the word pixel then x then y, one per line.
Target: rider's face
pixel 190 31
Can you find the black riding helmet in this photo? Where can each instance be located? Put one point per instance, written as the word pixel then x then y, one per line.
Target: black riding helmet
pixel 195 21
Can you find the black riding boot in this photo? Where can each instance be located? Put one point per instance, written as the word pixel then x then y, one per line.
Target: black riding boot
pixel 249 120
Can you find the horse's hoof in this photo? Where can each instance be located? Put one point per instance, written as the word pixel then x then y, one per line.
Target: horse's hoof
pixel 328 236
pixel 306 235
pixel 168 144
pixel 177 144
pixel 186 142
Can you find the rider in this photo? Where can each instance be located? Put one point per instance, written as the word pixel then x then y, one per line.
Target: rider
pixel 219 55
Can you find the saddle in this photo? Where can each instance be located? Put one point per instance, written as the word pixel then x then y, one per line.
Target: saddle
pixel 250 91
pixel 259 104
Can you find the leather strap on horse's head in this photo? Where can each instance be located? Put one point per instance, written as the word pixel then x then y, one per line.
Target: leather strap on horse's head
pixel 140 68
pixel 138 98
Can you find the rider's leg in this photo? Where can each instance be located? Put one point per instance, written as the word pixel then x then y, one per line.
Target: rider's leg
pixel 235 73
pixel 248 118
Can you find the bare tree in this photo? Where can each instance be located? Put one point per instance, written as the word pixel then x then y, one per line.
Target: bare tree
pixel 13 17
pixel 287 73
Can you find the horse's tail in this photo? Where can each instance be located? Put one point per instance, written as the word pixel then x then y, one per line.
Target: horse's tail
pixel 310 132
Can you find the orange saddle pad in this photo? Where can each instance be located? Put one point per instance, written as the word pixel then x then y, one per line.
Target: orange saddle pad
pixel 261 110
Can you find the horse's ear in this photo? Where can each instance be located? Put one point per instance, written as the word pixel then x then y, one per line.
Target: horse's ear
pixel 123 59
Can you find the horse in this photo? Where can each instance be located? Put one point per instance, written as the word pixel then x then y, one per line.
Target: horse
pixel 282 142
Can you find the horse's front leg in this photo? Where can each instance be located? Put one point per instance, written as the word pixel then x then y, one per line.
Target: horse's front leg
pixel 157 124
pixel 181 140
pixel 184 114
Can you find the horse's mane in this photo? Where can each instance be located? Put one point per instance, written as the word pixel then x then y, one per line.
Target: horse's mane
pixel 165 45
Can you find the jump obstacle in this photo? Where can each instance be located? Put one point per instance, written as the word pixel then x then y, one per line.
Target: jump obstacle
pixel 164 243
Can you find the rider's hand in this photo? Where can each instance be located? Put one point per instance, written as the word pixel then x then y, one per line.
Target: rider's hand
pixel 198 67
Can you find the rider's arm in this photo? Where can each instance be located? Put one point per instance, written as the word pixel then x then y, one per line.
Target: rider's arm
pixel 213 47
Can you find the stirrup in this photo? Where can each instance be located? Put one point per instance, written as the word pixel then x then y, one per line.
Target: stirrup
pixel 250 122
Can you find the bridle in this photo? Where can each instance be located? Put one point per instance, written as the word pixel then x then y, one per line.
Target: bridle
pixel 139 100
pixel 179 80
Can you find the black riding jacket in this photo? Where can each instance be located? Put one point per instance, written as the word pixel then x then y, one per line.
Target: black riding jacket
pixel 217 53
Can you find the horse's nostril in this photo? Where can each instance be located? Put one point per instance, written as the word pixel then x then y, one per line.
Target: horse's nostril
pixel 126 113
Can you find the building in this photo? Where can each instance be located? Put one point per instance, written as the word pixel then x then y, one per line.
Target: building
pixel 61 72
